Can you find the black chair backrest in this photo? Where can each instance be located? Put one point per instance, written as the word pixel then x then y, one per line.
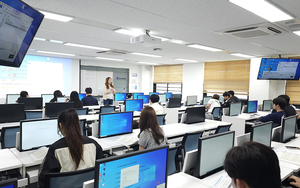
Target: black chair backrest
pixel 173 165
pixel 107 109
pixel 222 128
pixel 8 136
pixel 161 119
pixel 82 111
pixel 190 141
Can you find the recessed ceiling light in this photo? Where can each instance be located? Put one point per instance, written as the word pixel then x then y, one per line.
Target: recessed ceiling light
pixel 110 59
pixel 297 32
pixel 56 17
pixel 147 63
pixel 142 54
pixel 162 38
pixel 131 32
pixel 242 55
pixel 177 41
pixel 86 46
pixel 55 53
pixel 263 9
pixel 57 41
pixel 186 60
pixel 204 47
pixel 40 39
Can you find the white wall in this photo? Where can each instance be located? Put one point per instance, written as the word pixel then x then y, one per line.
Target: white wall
pixel 75 75
pixel 193 79
pixel 146 79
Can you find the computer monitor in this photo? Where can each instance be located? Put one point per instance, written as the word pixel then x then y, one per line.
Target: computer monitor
pixel 267 105
pixel 54 109
pixel 12 113
pixel 191 100
pixel 61 99
pixel 151 93
pixel 195 115
pixel 146 168
pixel 120 96
pixel 115 124
pixel 136 94
pixel 168 94
pixel 252 107
pixel 12 98
pixel 211 153
pixel 205 100
pixel 288 129
pixel 10 183
pixel 221 99
pixel 81 95
pixel 31 103
pixel 38 133
pixel 176 96
pixel 174 102
pixel 262 133
pixel 144 97
pixel 134 105
pixel 235 109
pixel 162 98
pixel 47 98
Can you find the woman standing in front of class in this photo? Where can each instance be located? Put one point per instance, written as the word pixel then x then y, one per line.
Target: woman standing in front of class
pixel 108 92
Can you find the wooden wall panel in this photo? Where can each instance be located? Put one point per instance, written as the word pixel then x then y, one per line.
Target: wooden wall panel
pixel 293 89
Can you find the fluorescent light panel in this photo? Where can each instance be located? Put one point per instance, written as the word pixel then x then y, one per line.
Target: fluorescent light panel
pixel 263 9
pixel 187 60
pixel 297 32
pixel 133 32
pixel 57 41
pixel 40 39
pixel 162 38
pixel 110 59
pixel 55 53
pixel 176 41
pixel 142 54
pixel 204 47
pixel 56 17
pixel 147 63
pixel 86 46
pixel 242 55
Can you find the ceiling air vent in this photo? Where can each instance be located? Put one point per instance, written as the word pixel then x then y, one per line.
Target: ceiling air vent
pixel 113 52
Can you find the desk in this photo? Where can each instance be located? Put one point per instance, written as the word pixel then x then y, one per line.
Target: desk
pixel 172 113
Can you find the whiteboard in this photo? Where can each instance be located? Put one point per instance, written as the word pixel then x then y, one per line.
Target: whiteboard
pixel 95 80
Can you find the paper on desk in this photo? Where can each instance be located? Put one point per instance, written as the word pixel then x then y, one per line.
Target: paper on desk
pixel 223 182
pixel 39 154
pixel 287 156
pixel 127 140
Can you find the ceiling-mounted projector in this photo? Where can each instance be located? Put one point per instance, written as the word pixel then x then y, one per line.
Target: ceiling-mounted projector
pixel 145 40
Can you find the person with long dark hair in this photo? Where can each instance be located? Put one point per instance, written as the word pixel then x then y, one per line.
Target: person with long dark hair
pixel 108 92
pixel 56 94
pixel 73 151
pixel 23 94
pixel 74 97
pixel 151 135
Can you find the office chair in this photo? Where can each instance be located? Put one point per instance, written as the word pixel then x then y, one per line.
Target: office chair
pixel 82 111
pixel 161 119
pixel 34 114
pixel 173 166
pixel 222 128
pixel 8 136
pixel 216 113
pixel 72 179
pixel 107 109
pixel 190 141
pixel 82 127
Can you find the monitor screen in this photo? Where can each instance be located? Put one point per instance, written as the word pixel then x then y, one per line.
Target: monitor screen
pixel 115 124
pixel 162 98
pixel 191 100
pixel 174 102
pixel 146 168
pixel 12 113
pixel 205 100
pixel 136 94
pixel 212 151
pixel 144 97
pixel 81 95
pixel 61 99
pixel 38 133
pixel 156 93
pixel 10 183
pixel 47 98
pixel 235 108
pixel 195 115
pixel 54 109
pixel 252 107
pixel 279 69
pixel 288 128
pixel 12 98
pixel 32 103
pixel 134 105
pixel 267 105
pixel 19 24
pixel 262 133
pixel 168 95
pixel 120 96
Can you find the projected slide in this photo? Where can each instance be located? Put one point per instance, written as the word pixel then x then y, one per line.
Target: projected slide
pixel 37 75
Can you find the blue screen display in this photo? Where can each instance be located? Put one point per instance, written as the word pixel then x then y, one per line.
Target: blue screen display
pixel 120 96
pixel 153 93
pixel 134 105
pixel 145 170
pixel 168 94
pixel 81 95
pixel 8 186
pixel 252 106
pixel 279 69
pixel 115 123
pixel 144 97
pixel 136 94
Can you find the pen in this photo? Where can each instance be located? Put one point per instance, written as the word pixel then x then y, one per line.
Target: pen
pixel 292 147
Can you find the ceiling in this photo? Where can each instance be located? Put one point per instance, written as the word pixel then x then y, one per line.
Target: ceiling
pixel 192 21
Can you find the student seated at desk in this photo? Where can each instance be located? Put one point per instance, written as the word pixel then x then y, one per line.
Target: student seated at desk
pixel 155 105
pixel 151 134
pixel 23 94
pixel 288 109
pixel 228 99
pixel 89 99
pixel 253 165
pixel 233 97
pixel 56 94
pixel 278 105
pixel 73 151
pixel 74 97
pixel 214 102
